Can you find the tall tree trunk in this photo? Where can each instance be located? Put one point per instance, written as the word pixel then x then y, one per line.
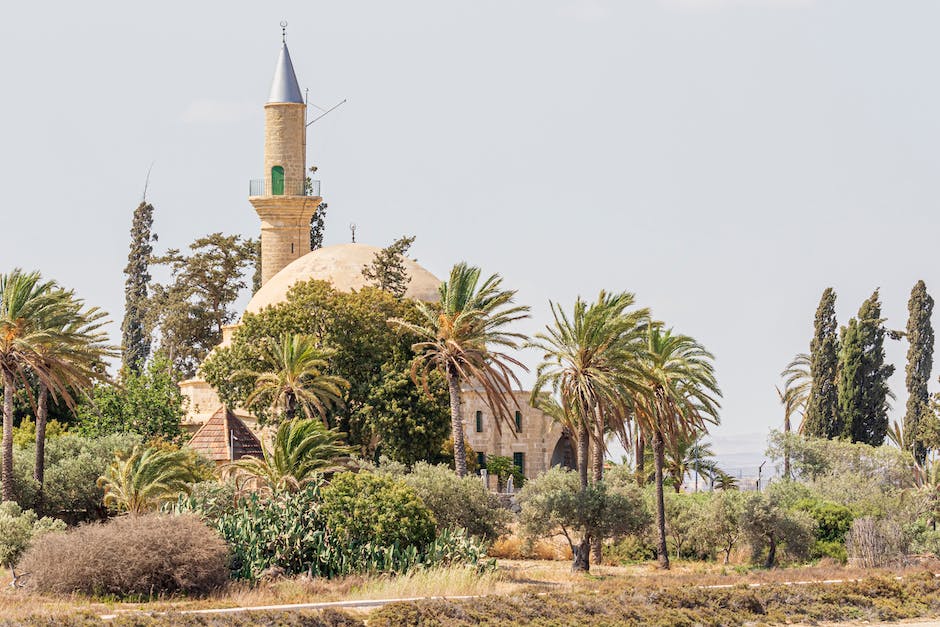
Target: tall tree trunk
pixel 771 553
pixel 640 458
pixel 786 446
pixel 582 554
pixel 597 471
pixel 456 424
pixel 659 454
pixel 42 413
pixel 7 470
pixel 584 448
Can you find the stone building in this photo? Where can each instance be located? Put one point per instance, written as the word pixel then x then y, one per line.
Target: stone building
pixel 285 203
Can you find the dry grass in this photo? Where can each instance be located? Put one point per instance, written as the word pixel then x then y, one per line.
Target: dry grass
pixel 514 577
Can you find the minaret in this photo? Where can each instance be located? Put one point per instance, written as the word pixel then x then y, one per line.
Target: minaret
pixel 283 201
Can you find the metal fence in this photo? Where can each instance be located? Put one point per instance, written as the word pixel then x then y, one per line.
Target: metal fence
pixel 260 187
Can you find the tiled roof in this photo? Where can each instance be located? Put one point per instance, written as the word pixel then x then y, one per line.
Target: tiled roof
pixel 222 431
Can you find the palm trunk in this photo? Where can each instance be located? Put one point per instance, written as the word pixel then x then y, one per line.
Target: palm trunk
pixel 640 458
pixel 584 447
pixel 291 406
pixel 659 455
pixel 7 470
pixel 42 413
pixel 786 447
pixel 597 553
pixel 456 424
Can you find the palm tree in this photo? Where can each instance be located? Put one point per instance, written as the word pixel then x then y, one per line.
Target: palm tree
pixel 302 450
pixel 145 479
pixel 462 338
pixel 76 359
pixel 292 378
pixel 797 384
pixel 690 455
pixel 682 397
pixel 590 362
pixel 28 305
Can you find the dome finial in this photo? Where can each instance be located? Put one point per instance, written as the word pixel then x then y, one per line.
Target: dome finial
pixel 283 31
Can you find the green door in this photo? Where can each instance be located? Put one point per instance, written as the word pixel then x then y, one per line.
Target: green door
pixel 277 181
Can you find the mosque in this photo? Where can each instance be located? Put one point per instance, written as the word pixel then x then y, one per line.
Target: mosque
pixel 285 205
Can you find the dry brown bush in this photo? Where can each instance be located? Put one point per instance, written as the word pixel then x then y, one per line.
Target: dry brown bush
pixel 514 547
pixel 129 556
pixel 872 543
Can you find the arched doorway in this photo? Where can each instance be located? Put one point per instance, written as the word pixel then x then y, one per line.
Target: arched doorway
pixel 277 181
pixel 565 454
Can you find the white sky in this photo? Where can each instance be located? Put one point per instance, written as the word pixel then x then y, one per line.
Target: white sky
pixel 725 160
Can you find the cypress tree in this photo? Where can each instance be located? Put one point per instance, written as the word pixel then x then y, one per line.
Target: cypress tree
pixel 863 376
pixel 135 340
pixel 822 410
pixel 919 365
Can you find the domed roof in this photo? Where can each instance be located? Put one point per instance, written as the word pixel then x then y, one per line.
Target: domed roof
pixel 342 266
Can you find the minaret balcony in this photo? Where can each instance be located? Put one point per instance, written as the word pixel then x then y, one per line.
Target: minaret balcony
pixel 287 187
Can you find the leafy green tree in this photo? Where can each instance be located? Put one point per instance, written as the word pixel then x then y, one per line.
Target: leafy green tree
pixel 352 331
pixel 721 522
pixel 863 376
pixel 822 410
pixel 770 526
pixel 410 425
pixel 590 361
pixel 148 403
pixel 302 450
pixel 190 311
pixel 135 335
pixel 387 270
pixel 292 378
pixel 146 478
pixel 317 227
pixel 556 503
pixel 919 365
pixel 501 467
pixel 682 398
pixel 462 338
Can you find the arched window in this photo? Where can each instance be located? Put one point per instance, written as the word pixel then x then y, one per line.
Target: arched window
pixel 277 181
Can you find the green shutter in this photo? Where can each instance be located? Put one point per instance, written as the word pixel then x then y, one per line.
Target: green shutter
pixel 277 181
pixel 518 460
pixel 479 422
pixel 518 422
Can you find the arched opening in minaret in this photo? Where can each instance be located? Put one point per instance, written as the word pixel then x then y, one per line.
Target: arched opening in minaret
pixel 277 181
pixel 564 454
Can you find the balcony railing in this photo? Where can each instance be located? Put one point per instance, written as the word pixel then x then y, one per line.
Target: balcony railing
pixel 260 187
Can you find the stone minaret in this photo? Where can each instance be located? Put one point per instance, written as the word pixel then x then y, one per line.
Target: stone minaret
pixel 283 202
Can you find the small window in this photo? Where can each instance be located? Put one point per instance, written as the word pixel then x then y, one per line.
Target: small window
pixel 479 422
pixel 518 422
pixel 277 181
pixel 518 460
pixel 481 460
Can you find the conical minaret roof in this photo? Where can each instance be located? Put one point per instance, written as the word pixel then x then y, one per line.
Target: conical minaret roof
pixel 285 87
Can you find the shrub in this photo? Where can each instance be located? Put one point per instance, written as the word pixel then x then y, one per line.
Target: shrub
pixel 721 529
pixel 288 532
pixel 502 468
pixel 833 522
pixel 19 528
pixel 458 503
pixel 209 499
pixel 129 556
pixel 872 542
pixel 73 465
pixel 368 508
pixel 684 514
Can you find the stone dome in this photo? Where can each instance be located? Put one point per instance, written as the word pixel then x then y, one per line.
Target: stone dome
pixel 342 266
